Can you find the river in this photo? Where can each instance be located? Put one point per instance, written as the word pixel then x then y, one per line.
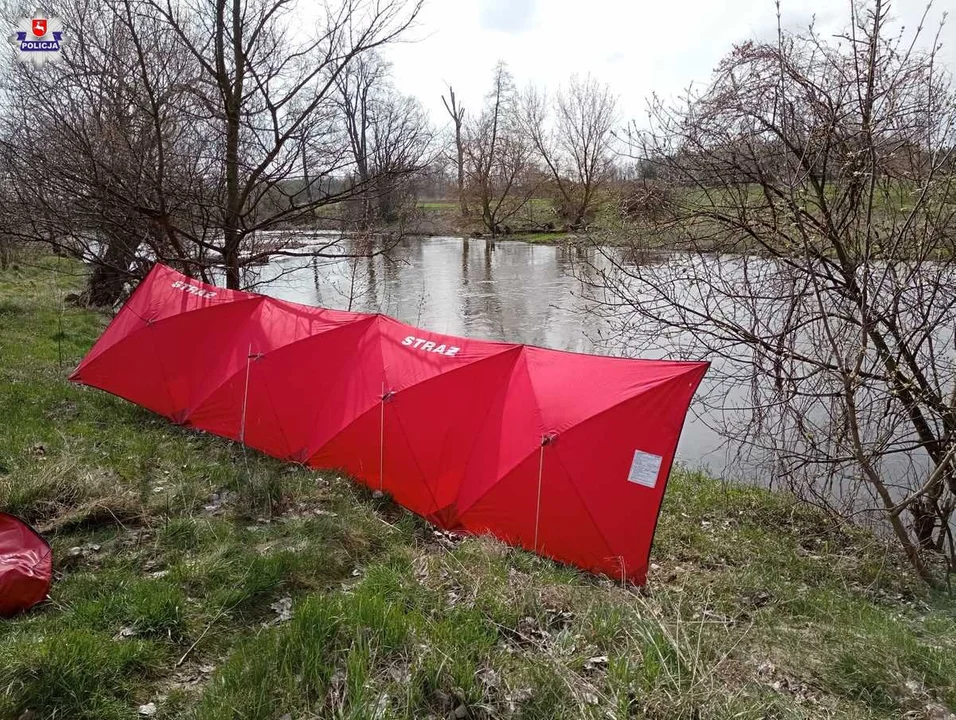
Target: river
pixel 508 291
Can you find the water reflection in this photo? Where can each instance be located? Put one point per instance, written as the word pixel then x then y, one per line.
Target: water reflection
pixel 507 291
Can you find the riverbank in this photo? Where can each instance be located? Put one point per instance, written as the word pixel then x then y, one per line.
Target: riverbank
pixel 196 582
pixel 536 223
pixel 443 219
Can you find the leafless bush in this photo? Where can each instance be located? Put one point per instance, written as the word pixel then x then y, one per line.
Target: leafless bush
pixel 644 200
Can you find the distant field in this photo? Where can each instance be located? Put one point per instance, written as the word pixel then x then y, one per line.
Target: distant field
pixel 437 205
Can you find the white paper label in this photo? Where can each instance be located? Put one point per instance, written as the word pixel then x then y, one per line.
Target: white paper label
pixel 644 469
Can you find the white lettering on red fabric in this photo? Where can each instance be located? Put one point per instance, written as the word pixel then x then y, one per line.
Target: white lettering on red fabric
pixel 417 343
pixel 193 290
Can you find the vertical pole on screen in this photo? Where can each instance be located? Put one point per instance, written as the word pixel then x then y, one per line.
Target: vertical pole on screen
pixel 537 511
pixel 546 439
pixel 386 396
pixel 381 444
pixel 242 420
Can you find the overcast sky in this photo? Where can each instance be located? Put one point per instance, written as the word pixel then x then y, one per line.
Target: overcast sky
pixel 636 46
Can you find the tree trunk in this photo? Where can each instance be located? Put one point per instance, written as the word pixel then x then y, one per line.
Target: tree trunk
pixel 105 286
pixel 233 96
pixel 458 116
pixel 460 143
pixel 488 216
pixel 231 261
pixel 388 200
pixel 230 229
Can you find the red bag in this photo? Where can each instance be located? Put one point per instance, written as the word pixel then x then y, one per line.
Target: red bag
pixel 26 566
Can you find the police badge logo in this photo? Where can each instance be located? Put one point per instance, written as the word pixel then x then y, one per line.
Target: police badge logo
pixel 38 39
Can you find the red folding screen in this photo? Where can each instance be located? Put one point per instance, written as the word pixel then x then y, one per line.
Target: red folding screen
pixel 562 453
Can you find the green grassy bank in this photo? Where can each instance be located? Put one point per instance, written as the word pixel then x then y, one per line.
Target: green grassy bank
pixel 193 584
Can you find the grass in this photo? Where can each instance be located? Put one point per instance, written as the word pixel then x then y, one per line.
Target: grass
pixel 437 206
pixel 186 582
pixel 535 212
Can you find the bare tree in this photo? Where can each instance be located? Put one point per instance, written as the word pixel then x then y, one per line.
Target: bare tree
pixel 388 133
pixel 457 114
pixel 188 128
pixel 498 157
pixel 356 88
pixel 402 150
pixel 81 162
pixel 810 199
pixel 273 103
pixel 574 146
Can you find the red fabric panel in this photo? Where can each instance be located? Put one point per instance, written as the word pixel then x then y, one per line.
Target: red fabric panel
pixel 453 428
pixel 437 423
pixel 288 392
pixel 169 350
pixel 511 433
